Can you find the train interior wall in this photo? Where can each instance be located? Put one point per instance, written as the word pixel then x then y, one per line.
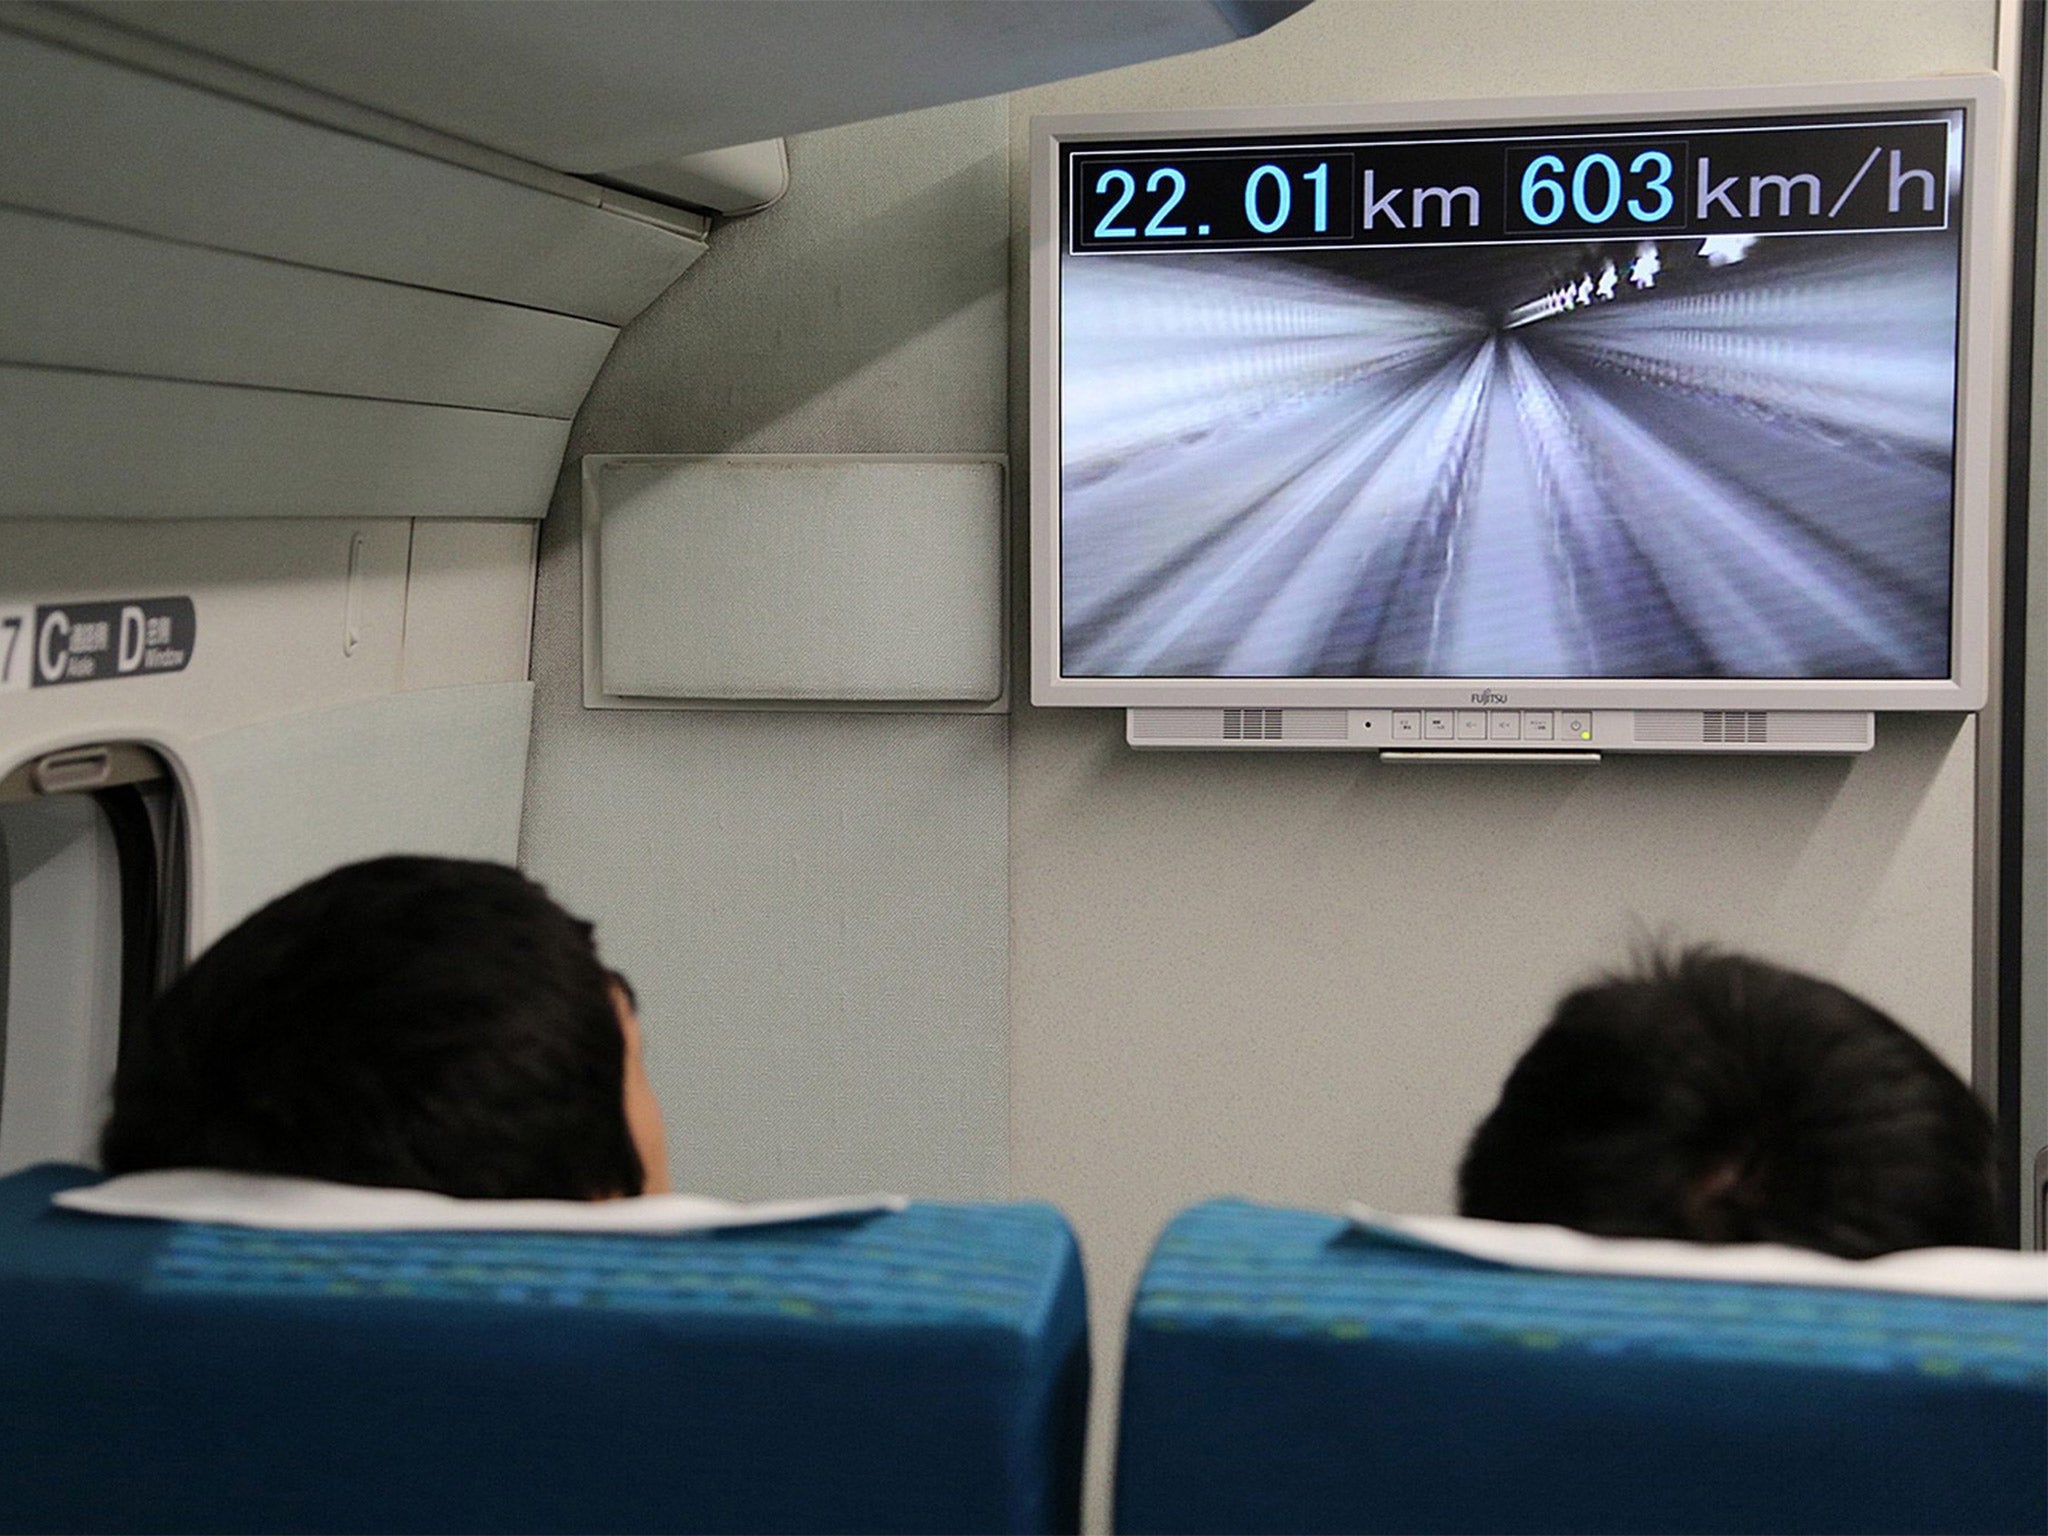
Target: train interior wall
pixel 1302 978
pixel 811 905
pixel 990 955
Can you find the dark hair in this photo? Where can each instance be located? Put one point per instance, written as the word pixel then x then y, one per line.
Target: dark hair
pixel 413 1022
pixel 1721 1099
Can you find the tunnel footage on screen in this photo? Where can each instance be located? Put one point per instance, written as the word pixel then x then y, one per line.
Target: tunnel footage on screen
pixel 1634 400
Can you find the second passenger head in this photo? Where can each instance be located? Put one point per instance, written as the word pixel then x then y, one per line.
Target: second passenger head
pixel 420 1023
pixel 1721 1099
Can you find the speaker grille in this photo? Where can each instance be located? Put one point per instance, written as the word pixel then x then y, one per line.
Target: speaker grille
pixel 1753 727
pixel 1251 725
pixel 1819 726
pixel 1176 725
pixel 1203 725
pixel 1317 724
pixel 1734 725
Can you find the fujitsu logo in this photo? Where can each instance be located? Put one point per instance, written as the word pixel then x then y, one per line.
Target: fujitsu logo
pixel 1488 696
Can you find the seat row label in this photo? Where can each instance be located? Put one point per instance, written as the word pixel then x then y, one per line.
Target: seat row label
pixel 57 643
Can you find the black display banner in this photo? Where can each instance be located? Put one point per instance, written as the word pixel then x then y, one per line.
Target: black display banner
pixel 91 642
pixel 1875 172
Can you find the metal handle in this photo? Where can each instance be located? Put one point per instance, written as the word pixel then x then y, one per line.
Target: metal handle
pixel 81 768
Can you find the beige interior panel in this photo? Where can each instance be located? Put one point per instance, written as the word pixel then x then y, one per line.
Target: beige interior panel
pixel 275 607
pixel 468 603
pixel 85 296
pixel 294 744
pixel 98 141
pixel 60 983
pixel 99 446
pixel 437 771
pixel 799 577
pixel 811 904
pixel 596 88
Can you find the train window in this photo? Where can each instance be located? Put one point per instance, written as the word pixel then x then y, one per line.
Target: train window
pixel 92 926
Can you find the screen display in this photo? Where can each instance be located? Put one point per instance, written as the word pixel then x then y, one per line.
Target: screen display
pixel 1654 400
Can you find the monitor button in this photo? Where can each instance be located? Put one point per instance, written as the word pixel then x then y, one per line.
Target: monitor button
pixel 1436 725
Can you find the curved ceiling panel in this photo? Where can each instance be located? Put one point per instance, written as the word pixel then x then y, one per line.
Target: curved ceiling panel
pixel 594 88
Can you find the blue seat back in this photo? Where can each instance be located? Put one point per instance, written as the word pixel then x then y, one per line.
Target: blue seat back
pixel 919 1371
pixel 1286 1373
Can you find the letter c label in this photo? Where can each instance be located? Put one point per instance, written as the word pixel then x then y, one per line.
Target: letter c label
pixel 50 661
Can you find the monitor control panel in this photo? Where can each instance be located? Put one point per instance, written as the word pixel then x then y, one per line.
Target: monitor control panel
pixel 1554 732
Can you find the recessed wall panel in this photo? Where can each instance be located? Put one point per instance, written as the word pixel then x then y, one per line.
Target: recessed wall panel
pixel 799 577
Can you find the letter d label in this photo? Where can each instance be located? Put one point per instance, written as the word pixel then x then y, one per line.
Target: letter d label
pixel 129 657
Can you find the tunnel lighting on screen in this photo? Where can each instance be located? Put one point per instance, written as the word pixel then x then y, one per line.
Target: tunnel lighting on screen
pixel 1625 402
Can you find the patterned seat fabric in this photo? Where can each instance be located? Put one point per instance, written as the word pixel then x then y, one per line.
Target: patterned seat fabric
pixel 919 1371
pixel 1285 1372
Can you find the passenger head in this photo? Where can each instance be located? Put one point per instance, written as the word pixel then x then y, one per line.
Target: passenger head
pixel 1720 1099
pixel 414 1022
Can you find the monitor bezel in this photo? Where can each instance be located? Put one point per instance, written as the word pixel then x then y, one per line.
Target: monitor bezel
pixel 1983 317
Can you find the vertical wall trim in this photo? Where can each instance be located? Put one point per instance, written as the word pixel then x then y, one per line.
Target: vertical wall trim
pixel 1999 1065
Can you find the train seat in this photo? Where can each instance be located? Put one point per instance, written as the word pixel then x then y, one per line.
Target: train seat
pixel 920 1370
pixel 1286 1371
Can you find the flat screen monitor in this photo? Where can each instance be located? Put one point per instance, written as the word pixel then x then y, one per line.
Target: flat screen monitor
pixel 1677 401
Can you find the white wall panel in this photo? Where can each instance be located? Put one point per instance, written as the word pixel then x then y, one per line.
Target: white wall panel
pixel 432 771
pixel 96 141
pixel 294 750
pixel 101 446
pixel 468 603
pixel 812 907
pixel 62 978
pixel 106 300
pixel 811 911
pixel 272 603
